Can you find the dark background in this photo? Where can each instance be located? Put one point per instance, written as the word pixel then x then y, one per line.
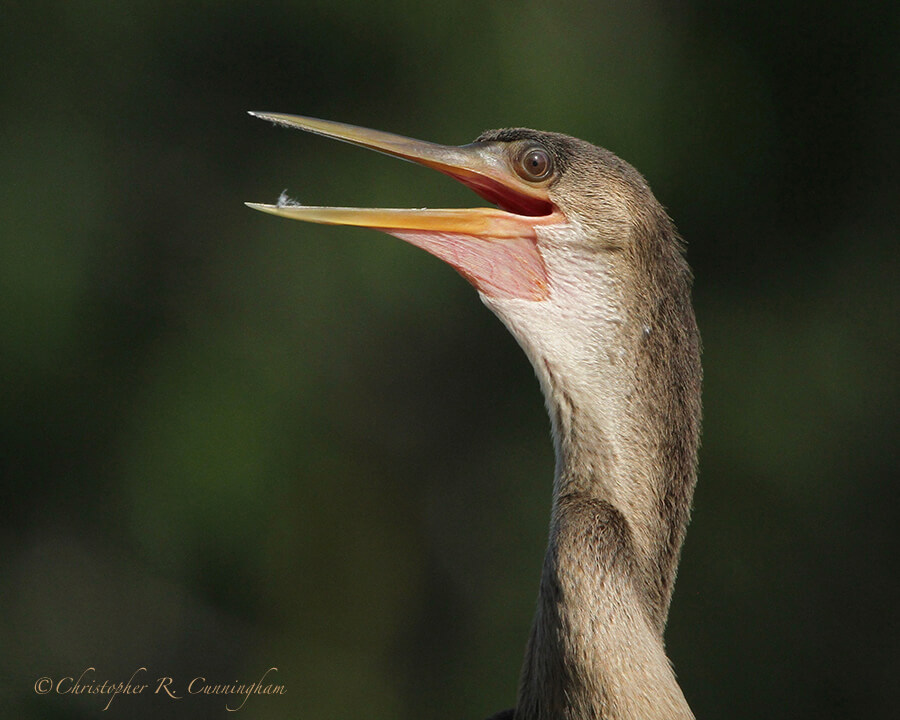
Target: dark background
pixel 231 441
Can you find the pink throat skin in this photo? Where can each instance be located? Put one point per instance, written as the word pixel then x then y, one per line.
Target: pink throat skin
pixel 503 268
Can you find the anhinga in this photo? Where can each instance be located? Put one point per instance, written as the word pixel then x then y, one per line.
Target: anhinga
pixel 585 269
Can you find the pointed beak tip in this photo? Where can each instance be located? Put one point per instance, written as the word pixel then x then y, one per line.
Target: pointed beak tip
pixel 277 118
pixel 262 207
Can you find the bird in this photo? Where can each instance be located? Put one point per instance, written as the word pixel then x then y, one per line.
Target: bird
pixel 585 268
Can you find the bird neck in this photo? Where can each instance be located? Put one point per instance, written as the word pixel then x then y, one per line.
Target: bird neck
pixel 617 354
pixel 622 492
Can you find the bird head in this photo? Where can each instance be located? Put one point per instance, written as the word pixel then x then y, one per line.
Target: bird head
pixel 573 256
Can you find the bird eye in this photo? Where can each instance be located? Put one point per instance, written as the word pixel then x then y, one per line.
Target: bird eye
pixel 534 164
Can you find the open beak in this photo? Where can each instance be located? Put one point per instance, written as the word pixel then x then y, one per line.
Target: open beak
pixel 494 248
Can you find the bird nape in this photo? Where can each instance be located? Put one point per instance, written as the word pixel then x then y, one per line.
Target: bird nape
pixel 586 270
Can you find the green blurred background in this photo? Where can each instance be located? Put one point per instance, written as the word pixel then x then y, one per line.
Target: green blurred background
pixel 230 441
